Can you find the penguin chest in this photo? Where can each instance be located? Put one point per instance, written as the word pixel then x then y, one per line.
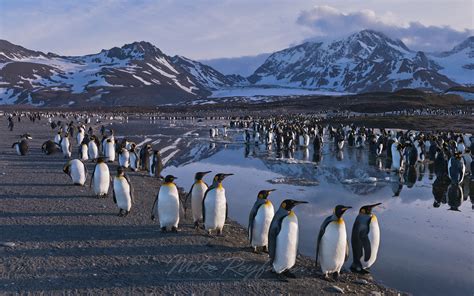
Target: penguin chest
pixel 332 248
pixel 17 148
pixel 101 179
pixel 151 165
pixel 57 139
pixel 215 207
pixel 122 193
pixel 84 152
pixel 65 147
pixel 93 151
pixel 168 205
pixel 286 244
pixel 124 159
pixel 78 173
pixel 133 161
pixel 261 225
pixel 374 238
pixel 197 194
pixel 110 151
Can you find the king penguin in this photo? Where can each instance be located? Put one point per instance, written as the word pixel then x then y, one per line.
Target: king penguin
pixel 66 146
pixel 166 205
pixel 109 149
pixel 77 170
pixel 123 192
pixel 283 238
pixel 197 192
pixel 214 205
pixel 332 248
pixel 365 239
pixel 124 158
pixel 134 158
pixel 456 168
pixel 100 178
pixel 93 149
pixel 260 218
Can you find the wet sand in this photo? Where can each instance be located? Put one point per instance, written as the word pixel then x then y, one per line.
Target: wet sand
pixel 68 241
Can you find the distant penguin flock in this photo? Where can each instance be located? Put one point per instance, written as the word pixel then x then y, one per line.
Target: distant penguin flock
pixel 270 230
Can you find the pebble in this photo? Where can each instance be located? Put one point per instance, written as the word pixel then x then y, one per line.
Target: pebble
pixel 337 289
pixel 361 282
pixel 375 293
pixel 7 244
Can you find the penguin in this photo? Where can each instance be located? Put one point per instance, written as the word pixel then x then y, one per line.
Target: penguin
pixel 22 146
pixel 365 239
pixel 145 153
pixel 456 168
pixel 66 146
pixel 49 147
pixel 124 158
pixel 57 138
pixel 397 156
pixel 214 205
pixel 80 135
pixel 100 178
pixel 134 158
pixel 77 170
pixel 197 192
pixel 283 238
pixel 83 152
pixel 155 164
pixel 332 248
pixel 122 192
pixel 166 205
pixel 93 149
pixel 109 149
pixel 260 218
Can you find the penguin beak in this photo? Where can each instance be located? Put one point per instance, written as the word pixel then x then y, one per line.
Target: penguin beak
pixel 374 205
pixel 271 190
pixel 205 173
pixel 297 202
pixel 226 175
pixel 346 208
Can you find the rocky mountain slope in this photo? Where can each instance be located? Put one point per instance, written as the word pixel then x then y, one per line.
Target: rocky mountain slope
pixel 365 61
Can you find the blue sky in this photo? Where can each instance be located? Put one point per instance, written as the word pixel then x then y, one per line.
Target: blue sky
pixel 203 29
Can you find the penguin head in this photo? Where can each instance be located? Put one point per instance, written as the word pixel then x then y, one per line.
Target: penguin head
pixel 200 175
pixel 220 177
pixel 339 210
pixel 101 160
pixel 458 155
pixel 120 171
pixel 170 178
pixel 289 204
pixel 26 136
pixel 263 194
pixel 367 210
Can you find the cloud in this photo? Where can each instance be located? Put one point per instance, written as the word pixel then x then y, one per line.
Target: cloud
pixel 326 21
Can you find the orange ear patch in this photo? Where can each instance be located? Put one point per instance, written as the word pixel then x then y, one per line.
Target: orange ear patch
pixel 362 211
pixel 283 205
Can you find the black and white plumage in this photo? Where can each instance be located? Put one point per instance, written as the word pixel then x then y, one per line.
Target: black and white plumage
pixel 260 218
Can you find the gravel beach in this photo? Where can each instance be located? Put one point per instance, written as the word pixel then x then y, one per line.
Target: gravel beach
pixel 56 238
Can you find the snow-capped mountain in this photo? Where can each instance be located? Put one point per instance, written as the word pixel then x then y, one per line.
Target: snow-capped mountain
pixel 135 74
pixel 365 61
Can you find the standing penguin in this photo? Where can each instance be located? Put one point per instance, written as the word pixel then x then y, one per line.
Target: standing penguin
pixel 166 205
pixel 77 170
pixel 214 205
pixel 123 192
pixel 365 239
pixel 124 158
pixel 66 146
pixel 456 168
pixel 332 248
pixel 155 163
pixel 83 152
pixel 100 178
pixel 80 134
pixel 283 238
pixel 22 147
pixel 93 149
pixel 57 138
pixel 134 159
pixel 260 218
pixel 197 192
pixel 109 149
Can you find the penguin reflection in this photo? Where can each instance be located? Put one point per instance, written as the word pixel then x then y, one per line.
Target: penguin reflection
pixel 455 197
pixel 440 189
pixel 317 156
pixel 396 182
pixel 340 155
pixel 410 176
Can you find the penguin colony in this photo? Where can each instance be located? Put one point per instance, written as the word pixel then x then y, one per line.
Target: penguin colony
pixel 269 231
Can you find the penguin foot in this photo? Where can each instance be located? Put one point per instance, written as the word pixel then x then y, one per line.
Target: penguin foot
pixel 265 249
pixel 289 274
pixel 335 276
pixel 255 250
pixel 174 229
pixel 328 278
pixel 219 232
pixel 196 225
pixel 163 229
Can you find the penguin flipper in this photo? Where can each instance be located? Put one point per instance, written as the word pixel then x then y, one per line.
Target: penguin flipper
pixel 204 204
pixel 347 251
pixel 226 211
pixel 272 237
pixel 322 230
pixel 92 178
pixel 366 246
pixel 252 215
pixel 132 191
pixel 115 198
pixel 153 207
